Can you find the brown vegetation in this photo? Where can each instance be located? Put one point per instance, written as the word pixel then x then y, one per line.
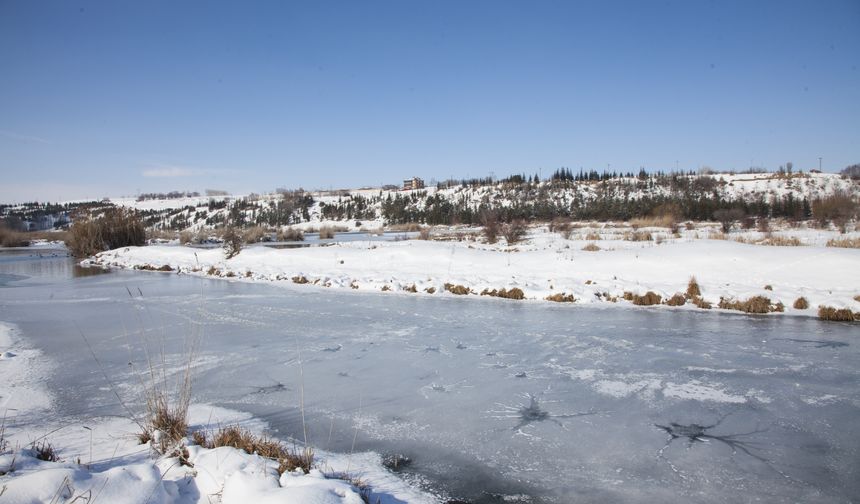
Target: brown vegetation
pixel 693 289
pixel 677 300
pixel 591 247
pixel 290 234
pixel 637 236
pixel 837 314
pixel 514 293
pixel 755 304
pixel 701 303
pixel 844 242
pixel 514 231
pixel 460 290
pixel 243 439
pixel 801 303
pixel 117 227
pixel 326 233
pixel 647 299
pixel 300 279
pixel 561 297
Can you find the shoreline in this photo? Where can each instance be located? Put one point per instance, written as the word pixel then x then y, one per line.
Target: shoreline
pixel 542 269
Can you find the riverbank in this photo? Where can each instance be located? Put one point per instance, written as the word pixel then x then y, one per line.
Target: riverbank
pixel 791 272
pixel 102 458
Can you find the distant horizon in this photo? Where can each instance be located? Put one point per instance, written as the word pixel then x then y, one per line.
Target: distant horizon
pixel 429 182
pixel 101 99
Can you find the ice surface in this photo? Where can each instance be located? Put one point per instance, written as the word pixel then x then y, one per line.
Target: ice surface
pixel 487 398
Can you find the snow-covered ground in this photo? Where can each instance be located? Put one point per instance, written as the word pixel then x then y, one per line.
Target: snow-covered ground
pixel 102 461
pixel 725 266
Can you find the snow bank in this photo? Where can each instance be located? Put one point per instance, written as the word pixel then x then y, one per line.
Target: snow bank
pixel 545 265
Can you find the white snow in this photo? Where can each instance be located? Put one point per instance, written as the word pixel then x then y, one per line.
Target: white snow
pixel 543 265
pixel 101 460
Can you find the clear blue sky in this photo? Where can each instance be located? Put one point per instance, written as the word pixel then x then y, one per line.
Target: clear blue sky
pixel 105 98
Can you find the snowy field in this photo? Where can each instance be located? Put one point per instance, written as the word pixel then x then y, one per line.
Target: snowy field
pixel 734 266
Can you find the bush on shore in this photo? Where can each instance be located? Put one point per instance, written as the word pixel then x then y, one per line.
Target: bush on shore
pixel 117 227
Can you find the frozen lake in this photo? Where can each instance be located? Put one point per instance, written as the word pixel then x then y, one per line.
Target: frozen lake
pixel 492 400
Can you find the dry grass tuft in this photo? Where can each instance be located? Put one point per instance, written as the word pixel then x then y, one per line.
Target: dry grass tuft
pixel 212 271
pixel 514 293
pixel 591 247
pixel 45 451
pixel 385 288
pixel 460 290
pixel 768 287
pixel 838 315
pixel 677 300
pixel 10 238
pixel 701 303
pixel 326 233
pixel 561 297
pixel 648 299
pixel 290 234
pixel 693 289
pixel 844 242
pixel 857 298
pixel 801 303
pixel 254 234
pixel 592 236
pixel 300 279
pixel 755 304
pixel 243 439
pixel 412 288
pixel 424 233
pixel 430 290
pixel 637 236
pixel 781 241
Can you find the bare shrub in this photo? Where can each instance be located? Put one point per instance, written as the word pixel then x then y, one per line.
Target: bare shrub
pixel 186 237
pixel 326 233
pixel 857 298
pixel 430 290
pixel 44 450
pixel 117 227
pixel 768 287
pixel 412 288
pixel 677 300
pixel 233 242
pixel 290 234
pixel 763 225
pixel 300 280
pixel 755 304
pixel 562 226
pixel 460 290
pixel 689 225
pixel 839 208
pixel 561 297
pixel 844 242
pixel 693 289
pixel 514 231
pixel 514 293
pixel 591 247
pixel 801 303
pixel 592 236
pixel 424 233
pixel 727 216
pixel 836 314
pixel 490 222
